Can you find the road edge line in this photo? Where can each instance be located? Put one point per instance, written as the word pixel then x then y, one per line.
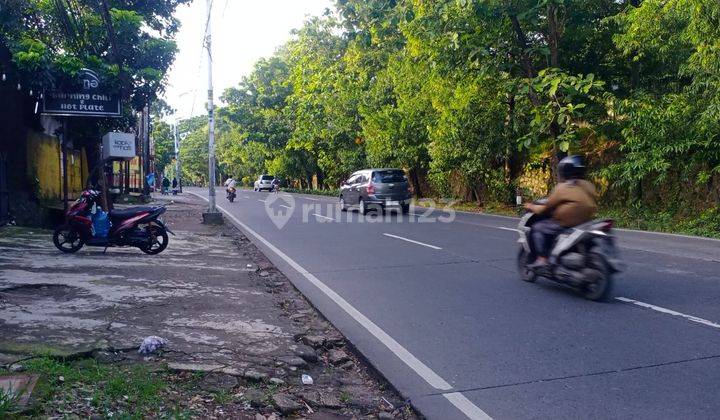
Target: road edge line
pixel 421 369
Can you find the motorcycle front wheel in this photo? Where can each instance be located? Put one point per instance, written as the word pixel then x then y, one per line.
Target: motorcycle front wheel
pixel 158 240
pixel 524 258
pixel 67 239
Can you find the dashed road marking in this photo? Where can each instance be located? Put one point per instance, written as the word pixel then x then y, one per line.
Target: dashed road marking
pixel 324 217
pixel 669 311
pixel 411 241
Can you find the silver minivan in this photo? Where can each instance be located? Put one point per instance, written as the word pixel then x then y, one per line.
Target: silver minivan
pixel 376 189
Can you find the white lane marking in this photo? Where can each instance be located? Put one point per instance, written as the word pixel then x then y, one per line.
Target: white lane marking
pixel 287 207
pixel 428 375
pixel 262 201
pixel 324 217
pixel 484 225
pixel 246 196
pixel 411 241
pixel 669 311
pixel 466 406
pixel 311 199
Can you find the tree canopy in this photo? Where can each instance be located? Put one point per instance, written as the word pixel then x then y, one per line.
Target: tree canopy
pixel 477 98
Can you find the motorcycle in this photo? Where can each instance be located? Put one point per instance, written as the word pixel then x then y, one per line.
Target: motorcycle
pixel 583 257
pixel 140 227
pixel 231 194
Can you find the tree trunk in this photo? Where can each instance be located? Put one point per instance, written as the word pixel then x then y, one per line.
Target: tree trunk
pixel 553 35
pixel 525 60
pixel 320 180
pixel 415 182
pixel 509 146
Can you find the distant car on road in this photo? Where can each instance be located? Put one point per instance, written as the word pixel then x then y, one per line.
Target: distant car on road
pixel 377 189
pixel 264 182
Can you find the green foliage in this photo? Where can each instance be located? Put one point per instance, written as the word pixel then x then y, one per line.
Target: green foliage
pixel 465 95
pixel 51 40
pixel 141 388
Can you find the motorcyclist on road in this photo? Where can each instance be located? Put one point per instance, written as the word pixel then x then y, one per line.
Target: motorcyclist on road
pixel 276 185
pixel 230 183
pixel 572 202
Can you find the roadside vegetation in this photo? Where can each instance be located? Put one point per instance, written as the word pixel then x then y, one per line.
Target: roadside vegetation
pixel 85 387
pixel 477 100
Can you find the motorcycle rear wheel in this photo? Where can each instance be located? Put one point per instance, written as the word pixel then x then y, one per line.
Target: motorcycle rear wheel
pixel 159 240
pixel 600 289
pixel 67 239
pixel 523 259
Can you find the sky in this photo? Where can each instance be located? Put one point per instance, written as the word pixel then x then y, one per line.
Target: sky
pixel 243 31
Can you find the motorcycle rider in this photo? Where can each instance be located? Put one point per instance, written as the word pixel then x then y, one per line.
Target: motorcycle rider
pixel 572 202
pixel 230 184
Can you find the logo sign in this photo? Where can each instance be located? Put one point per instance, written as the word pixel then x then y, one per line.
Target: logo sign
pixel 85 99
pixel 281 212
pixel 118 146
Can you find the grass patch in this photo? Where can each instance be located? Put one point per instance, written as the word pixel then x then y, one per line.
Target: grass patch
pixel 702 223
pixel 345 397
pixel 7 403
pixel 329 193
pixel 126 391
pixel 491 208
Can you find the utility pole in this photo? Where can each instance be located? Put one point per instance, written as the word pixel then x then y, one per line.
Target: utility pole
pixel 177 156
pixel 212 216
pixel 146 150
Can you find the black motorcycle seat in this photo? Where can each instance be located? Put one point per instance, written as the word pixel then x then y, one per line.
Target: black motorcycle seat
pixel 130 212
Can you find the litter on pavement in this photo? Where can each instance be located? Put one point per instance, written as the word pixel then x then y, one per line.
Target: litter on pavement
pixel 152 344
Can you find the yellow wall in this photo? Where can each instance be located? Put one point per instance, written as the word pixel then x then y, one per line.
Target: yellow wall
pixel 44 167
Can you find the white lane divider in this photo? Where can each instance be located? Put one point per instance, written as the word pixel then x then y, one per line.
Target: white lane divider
pixel 505 228
pixel 458 400
pixel 411 241
pixel 287 207
pixel 262 201
pixel 321 216
pixel 246 196
pixel 668 311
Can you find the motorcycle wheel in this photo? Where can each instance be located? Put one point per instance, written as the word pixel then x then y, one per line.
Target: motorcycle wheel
pixel 158 240
pixel 231 198
pixel 523 259
pixel 600 289
pixel 67 239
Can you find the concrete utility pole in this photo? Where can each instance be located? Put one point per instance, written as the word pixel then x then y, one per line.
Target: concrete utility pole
pixel 146 150
pixel 212 216
pixel 177 156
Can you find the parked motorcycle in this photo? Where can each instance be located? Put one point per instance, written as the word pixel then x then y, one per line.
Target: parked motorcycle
pixel 583 257
pixel 231 194
pixel 140 227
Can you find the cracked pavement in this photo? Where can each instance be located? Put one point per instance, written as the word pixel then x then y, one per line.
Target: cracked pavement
pixel 222 306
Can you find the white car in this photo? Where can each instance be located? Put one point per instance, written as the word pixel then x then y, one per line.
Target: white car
pixel 264 182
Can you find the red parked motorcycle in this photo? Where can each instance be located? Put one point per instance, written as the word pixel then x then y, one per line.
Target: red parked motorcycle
pixel 136 226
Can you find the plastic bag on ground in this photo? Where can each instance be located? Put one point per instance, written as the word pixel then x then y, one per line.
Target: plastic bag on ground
pixel 152 344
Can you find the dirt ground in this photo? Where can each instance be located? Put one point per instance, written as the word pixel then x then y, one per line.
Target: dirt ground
pixel 240 337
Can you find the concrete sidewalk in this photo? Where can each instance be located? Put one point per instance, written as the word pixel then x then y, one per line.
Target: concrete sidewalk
pixel 217 300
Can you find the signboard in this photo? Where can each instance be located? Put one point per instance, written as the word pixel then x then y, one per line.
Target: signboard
pixel 118 146
pixel 86 99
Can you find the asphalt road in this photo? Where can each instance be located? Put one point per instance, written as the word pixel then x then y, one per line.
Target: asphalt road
pixel 435 304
